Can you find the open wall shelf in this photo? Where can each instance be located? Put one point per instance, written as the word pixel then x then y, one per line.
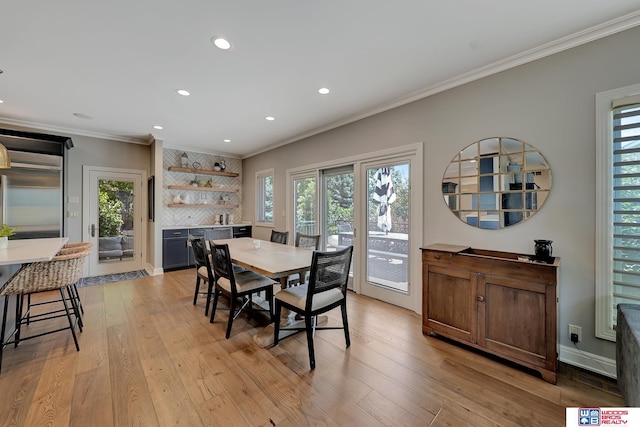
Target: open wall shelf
pixel 185 205
pixel 202 171
pixel 192 188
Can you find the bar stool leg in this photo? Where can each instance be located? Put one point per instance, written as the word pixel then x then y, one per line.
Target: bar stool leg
pixel 19 309
pixel 28 306
pixel 74 307
pixel 66 309
pixel 4 327
pixel 74 288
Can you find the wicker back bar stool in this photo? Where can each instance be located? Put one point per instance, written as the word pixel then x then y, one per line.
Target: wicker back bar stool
pixel 61 274
pixel 72 247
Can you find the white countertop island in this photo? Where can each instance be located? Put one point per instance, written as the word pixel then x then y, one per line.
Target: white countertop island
pixel 23 251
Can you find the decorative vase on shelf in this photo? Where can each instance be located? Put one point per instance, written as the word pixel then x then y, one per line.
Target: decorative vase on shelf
pixel 543 250
pixel 4 242
pixel 184 160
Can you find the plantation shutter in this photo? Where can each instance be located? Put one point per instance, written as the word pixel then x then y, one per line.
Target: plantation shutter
pixel 626 203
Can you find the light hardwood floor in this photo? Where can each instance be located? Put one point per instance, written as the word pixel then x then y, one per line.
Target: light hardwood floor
pixel 149 357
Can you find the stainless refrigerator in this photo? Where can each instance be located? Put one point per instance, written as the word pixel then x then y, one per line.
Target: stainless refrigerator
pixel 31 195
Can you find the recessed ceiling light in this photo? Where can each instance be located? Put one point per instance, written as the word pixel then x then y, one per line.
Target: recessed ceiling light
pixel 323 91
pixel 227 140
pixel 183 92
pixel 221 42
pixel 83 116
pixel 1 101
pixel 270 118
pixel 158 127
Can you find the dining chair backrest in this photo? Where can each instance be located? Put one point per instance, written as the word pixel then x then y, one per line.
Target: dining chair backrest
pixel 199 252
pixel 329 270
pixel 279 237
pixel 222 266
pixel 308 241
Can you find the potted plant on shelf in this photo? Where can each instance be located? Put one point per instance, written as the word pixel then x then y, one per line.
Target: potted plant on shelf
pixel 5 232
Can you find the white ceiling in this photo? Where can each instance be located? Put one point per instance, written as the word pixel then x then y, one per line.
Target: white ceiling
pixel 120 61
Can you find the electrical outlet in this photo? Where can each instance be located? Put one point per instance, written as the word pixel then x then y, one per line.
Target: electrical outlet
pixel 577 330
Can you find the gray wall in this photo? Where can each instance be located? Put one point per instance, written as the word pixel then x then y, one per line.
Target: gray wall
pixel 104 153
pixel 548 103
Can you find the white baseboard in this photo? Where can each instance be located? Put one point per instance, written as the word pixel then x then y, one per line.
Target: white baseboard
pixel 590 362
pixel 153 271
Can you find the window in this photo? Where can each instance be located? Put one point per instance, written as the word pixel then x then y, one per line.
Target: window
pixel 264 197
pixel 618 205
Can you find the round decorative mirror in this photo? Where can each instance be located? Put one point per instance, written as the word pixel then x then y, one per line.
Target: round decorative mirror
pixel 496 182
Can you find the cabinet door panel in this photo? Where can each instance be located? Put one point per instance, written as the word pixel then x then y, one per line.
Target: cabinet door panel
pixel 174 253
pixel 512 319
pixel 219 233
pixel 451 303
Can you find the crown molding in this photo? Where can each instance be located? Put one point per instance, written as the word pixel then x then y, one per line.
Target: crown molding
pixel 605 29
pixel 147 140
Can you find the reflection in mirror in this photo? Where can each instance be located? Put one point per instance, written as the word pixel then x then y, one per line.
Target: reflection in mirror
pixel 496 182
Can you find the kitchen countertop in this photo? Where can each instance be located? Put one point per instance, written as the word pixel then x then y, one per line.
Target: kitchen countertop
pixel 177 227
pixel 21 251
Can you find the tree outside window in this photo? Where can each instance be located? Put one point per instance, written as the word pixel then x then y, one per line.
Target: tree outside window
pixel 115 209
pixel 264 195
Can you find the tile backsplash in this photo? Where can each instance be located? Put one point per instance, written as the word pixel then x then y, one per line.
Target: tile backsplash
pixel 200 215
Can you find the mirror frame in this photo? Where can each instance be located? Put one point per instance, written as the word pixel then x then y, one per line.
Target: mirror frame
pixel 483 184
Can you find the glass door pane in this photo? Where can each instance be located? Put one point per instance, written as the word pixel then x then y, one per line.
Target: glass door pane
pixel 387 241
pixel 115 220
pixel 337 199
pixel 304 195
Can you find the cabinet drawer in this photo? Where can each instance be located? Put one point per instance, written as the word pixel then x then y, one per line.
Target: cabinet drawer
pixel 183 232
pixel 436 257
pixel 242 231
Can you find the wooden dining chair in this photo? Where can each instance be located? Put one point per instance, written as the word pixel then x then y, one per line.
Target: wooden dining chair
pixel 237 285
pixel 308 241
pixel 326 290
pixel 279 237
pixel 203 271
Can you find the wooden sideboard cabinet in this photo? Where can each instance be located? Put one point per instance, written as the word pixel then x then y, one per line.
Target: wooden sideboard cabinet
pixel 500 302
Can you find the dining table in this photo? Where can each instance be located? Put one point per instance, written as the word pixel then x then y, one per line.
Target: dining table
pixel 276 261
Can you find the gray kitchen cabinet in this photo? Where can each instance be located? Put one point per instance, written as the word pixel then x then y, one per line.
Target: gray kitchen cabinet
pixel 175 252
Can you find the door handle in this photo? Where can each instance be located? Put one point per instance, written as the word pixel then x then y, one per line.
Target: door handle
pixel 481 298
pixel 93 230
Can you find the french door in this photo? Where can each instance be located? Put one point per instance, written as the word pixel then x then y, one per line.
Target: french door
pixel 112 218
pixel 354 204
pixel 386 231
